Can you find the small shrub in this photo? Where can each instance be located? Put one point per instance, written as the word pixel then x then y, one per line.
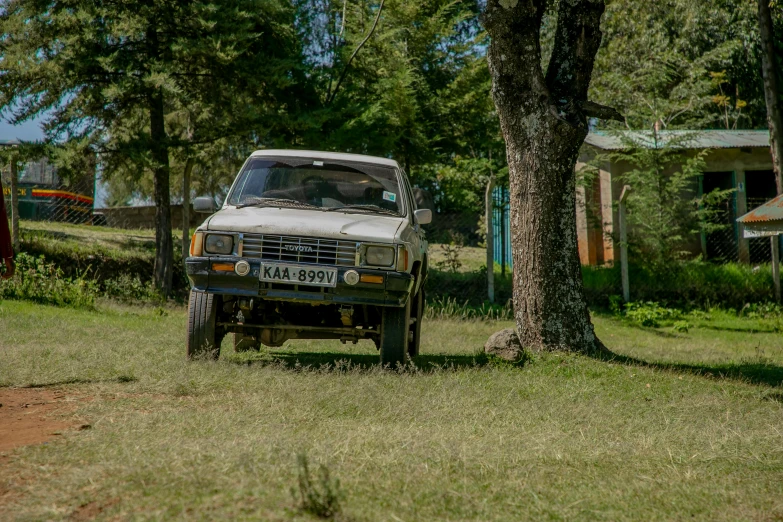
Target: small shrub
pixel 320 497
pixel 649 314
pixel 41 282
pixel 451 253
pixel 616 304
pixel 681 326
pixel 130 288
pixel 761 311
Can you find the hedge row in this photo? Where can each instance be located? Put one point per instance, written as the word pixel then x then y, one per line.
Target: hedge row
pixel 687 284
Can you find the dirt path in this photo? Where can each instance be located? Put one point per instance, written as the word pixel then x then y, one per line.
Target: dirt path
pixel 33 416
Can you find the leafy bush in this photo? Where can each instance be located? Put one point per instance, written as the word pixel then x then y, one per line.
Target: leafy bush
pixel 685 284
pixel 126 262
pixel 682 326
pixel 650 313
pixel 128 288
pixel 42 282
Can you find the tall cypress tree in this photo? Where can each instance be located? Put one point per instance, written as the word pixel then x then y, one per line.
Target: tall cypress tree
pixel 110 71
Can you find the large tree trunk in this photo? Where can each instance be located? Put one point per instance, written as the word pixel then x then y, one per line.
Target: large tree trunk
pixel 164 253
pixel 543 119
pixel 771 90
pixel 186 209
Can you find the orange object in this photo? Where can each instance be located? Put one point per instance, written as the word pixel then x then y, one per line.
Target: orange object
pixel 369 278
pixel 196 244
pixel 223 267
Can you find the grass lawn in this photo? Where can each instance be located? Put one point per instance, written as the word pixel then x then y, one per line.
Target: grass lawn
pixel 114 243
pixel 680 426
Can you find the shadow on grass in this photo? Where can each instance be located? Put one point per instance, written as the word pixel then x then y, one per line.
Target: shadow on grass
pixel 750 372
pixel 116 242
pixel 346 361
pixel 763 330
pixel 122 379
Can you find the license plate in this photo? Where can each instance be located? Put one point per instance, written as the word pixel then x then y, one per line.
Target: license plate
pixel 298 274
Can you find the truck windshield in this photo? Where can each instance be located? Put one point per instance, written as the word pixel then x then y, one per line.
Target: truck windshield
pixel 316 183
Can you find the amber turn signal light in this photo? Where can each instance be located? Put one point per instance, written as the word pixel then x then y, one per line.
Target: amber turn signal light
pixel 196 244
pixel 223 267
pixel 369 278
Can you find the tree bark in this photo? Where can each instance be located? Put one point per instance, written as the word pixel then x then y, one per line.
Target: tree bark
pixel 771 90
pixel 164 252
pixel 186 209
pixel 15 202
pixel 544 126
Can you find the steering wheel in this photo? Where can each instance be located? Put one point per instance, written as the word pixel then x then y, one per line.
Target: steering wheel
pixel 313 187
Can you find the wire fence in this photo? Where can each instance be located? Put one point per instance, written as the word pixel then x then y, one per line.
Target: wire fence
pixel 725 269
pixel 45 196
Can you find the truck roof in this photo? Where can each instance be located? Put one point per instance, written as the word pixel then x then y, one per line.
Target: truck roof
pixel 315 154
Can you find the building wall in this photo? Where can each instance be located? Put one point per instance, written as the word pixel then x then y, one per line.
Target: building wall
pixel 597 203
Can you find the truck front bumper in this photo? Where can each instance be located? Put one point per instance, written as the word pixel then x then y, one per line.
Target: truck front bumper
pixel 394 291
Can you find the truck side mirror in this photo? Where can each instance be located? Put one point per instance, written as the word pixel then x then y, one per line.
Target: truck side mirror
pixel 204 204
pixel 423 216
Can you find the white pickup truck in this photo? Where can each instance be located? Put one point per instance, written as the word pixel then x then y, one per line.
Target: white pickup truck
pixel 310 245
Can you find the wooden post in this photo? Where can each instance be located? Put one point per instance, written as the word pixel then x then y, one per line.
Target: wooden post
pixel 743 247
pixel 775 241
pixel 702 234
pixel 14 203
pixel 488 212
pixel 503 260
pixel 186 209
pixel 624 244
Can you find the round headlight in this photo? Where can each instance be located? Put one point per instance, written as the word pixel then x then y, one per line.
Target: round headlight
pixel 379 256
pixel 219 244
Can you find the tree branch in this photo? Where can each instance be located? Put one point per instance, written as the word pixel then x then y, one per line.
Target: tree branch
pixel 577 40
pixel 595 110
pixel 514 54
pixel 330 99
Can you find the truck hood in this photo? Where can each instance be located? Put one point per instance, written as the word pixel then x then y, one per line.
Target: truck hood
pixel 307 223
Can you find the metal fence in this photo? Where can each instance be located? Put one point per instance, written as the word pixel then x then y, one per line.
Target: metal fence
pixel 44 196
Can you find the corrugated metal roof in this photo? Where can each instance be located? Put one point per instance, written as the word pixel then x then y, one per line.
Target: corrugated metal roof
pixel 770 211
pixel 683 139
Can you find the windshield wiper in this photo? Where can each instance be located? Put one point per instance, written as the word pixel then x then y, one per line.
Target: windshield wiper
pixel 372 208
pixel 276 202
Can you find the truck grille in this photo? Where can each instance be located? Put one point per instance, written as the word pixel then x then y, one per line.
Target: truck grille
pixel 299 249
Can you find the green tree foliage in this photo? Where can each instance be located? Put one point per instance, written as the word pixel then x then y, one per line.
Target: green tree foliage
pixel 109 73
pixel 686 63
pixel 418 90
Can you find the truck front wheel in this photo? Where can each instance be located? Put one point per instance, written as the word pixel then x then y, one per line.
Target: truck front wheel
pixel 417 312
pixel 204 336
pixel 395 327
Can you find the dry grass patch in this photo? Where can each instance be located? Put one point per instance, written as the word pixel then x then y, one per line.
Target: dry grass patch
pixel 684 426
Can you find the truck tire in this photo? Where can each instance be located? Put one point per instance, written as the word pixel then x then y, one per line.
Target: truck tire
pixel 204 336
pixel 417 312
pixel 246 343
pixel 395 328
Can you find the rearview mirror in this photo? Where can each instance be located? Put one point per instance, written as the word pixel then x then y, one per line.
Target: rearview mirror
pixel 204 204
pixel 423 216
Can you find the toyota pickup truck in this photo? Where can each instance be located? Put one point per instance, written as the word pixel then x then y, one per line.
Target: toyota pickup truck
pixel 310 245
